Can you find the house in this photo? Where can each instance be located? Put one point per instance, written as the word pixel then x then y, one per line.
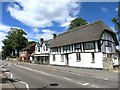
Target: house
pixel 116 61
pixel 0 55
pixel 89 46
pixel 26 54
pixel 42 49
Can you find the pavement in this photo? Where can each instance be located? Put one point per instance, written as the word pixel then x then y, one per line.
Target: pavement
pixel 5 83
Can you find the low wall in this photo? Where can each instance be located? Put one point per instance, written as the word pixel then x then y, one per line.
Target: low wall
pixel 107 64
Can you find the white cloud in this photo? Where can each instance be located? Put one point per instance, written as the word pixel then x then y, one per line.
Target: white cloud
pixel 4 28
pixel 36 30
pixel 70 0
pixel 29 39
pixel 104 9
pixel 46 34
pixel 116 9
pixel 37 13
pixel 2 37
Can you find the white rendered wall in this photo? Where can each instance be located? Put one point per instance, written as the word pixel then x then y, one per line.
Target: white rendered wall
pixel 42 49
pixel 86 59
pixel 58 60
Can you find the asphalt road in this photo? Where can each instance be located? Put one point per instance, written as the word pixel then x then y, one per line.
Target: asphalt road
pixel 36 76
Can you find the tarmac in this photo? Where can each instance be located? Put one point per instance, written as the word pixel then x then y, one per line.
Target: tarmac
pixel 96 73
pixel 5 82
pixel 102 74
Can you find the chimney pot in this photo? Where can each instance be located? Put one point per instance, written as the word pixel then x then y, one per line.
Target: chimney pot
pixel 54 36
pixel 41 39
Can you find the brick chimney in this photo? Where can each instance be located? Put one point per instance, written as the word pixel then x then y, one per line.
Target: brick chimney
pixel 54 36
pixel 41 40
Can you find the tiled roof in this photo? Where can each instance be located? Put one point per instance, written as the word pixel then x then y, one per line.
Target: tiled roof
pixel 28 47
pixel 89 32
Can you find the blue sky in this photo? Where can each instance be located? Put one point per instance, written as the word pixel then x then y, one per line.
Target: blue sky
pixel 42 19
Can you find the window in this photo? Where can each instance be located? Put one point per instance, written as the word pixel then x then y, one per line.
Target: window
pixel 55 49
pixel 53 57
pixel 89 45
pixel 46 47
pixel 77 46
pixel 109 44
pixel 93 58
pixel 66 48
pixel 38 49
pixel 62 58
pixel 78 57
pixel 59 49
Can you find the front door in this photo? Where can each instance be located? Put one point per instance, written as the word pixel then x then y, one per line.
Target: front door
pixel 67 59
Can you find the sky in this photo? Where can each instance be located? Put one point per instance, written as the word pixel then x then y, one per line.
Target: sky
pixel 41 19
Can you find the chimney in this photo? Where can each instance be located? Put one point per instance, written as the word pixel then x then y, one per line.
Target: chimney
pixel 41 40
pixel 54 36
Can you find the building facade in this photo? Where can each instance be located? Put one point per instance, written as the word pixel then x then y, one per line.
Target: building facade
pixel 42 50
pixel 26 54
pixel 0 55
pixel 86 46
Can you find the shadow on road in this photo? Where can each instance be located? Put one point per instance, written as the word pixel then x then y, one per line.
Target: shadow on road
pixel 6 80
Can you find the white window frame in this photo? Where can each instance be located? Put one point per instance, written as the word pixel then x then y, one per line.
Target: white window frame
pixel 89 45
pixel 78 57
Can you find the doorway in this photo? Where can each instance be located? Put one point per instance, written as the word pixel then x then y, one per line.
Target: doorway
pixel 66 59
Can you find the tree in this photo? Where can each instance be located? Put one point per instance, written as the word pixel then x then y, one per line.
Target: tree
pixel 77 23
pixel 31 42
pixel 116 21
pixel 15 41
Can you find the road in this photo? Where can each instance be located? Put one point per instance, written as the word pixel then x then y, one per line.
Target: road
pixel 38 77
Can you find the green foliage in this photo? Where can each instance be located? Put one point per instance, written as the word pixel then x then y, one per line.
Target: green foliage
pixel 31 42
pixel 116 21
pixel 77 23
pixel 15 40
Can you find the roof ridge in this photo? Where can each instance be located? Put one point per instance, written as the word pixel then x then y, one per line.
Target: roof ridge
pixel 81 27
pixel 28 46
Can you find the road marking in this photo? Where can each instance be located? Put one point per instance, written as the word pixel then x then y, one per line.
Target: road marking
pixel 11 75
pixel 24 67
pixel 27 86
pixel 81 74
pixel 78 83
pixel 67 78
pixel 95 86
pixel 105 78
pixel 78 74
pixel 34 70
pixel 83 84
pixel 9 64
